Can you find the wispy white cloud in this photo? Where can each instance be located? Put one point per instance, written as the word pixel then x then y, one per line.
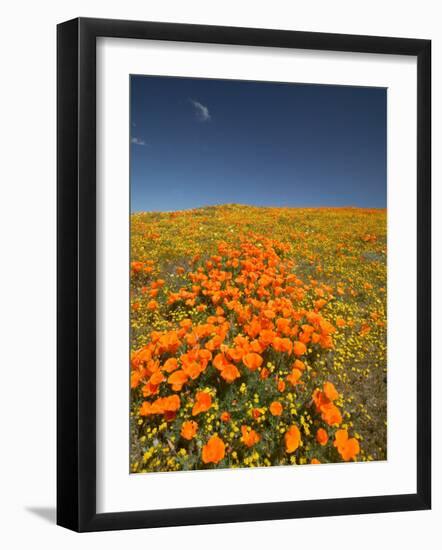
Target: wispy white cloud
pixel 201 111
pixel 137 141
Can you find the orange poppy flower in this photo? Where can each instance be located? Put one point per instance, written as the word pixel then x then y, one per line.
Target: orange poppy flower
pixel 266 337
pixel 252 360
pixel 321 436
pixel 265 373
pixel 235 354
pixel 269 314
pixel 204 356
pixel 177 379
pixel 214 450
pixel 347 448
pixel 186 323
pixel 308 329
pixel 192 369
pixel 256 347
pixel 276 408
pixel 149 389
pixel 292 439
pixel 304 337
pixel 170 365
pixel 137 266
pixel 161 405
pixel 230 373
pixel 341 437
pixel 135 378
pixel 299 348
pixel 319 399
pixel 282 344
pixel 350 450
pixel 294 376
pixel 156 378
pixel 225 416
pixel 320 303
pixel 299 365
pixel 331 414
pixel 203 403
pixel 220 361
pixel 315 461
pixel 189 429
pixel 316 338
pixel 141 356
pixel 170 404
pixel 330 391
pixel 145 409
pixel 249 436
pixel 283 325
pixel 214 343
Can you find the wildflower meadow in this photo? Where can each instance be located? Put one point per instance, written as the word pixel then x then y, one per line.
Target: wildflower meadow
pixel 258 337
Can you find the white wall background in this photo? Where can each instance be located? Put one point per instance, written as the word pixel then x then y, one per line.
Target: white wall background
pixel 27 272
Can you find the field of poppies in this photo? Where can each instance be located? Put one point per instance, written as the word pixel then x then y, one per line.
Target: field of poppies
pixel 258 337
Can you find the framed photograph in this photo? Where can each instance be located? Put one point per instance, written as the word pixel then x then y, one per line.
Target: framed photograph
pixel 243 274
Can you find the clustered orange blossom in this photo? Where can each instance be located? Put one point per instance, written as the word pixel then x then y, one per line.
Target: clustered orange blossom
pixel 235 383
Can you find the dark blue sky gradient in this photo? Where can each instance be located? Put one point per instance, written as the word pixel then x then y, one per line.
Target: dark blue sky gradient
pixel 265 144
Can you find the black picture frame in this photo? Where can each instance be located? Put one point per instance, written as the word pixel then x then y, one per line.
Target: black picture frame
pixel 76 274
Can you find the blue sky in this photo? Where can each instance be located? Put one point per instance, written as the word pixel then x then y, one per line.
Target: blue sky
pixel 199 142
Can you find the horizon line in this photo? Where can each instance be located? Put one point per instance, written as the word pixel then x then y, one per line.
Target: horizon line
pixel 325 207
